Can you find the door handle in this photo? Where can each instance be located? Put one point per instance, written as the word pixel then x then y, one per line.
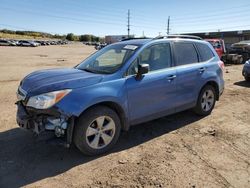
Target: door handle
pixel 171 77
pixel 202 69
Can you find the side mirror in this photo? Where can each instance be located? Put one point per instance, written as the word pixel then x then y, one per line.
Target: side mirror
pixel 142 69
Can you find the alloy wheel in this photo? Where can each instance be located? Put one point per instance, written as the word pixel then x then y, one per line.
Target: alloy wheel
pixel 100 132
pixel 207 100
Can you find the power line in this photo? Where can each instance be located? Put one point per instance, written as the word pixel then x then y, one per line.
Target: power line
pixel 62 17
pixel 74 20
pixel 188 22
pixel 213 18
pixel 218 12
pixel 205 19
pixel 95 10
pixel 112 11
pixel 192 15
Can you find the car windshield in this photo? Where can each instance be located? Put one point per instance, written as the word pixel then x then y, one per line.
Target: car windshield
pixel 109 59
pixel 215 44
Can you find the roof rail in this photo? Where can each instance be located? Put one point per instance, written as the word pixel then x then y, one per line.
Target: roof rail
pixel 134 38
pixel 179 36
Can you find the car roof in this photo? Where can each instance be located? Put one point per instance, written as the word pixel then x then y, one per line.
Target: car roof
pixel 142 42
pixel 138 42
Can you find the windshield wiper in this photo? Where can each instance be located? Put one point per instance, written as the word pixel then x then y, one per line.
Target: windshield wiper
pixel 95 71
pixel 89 70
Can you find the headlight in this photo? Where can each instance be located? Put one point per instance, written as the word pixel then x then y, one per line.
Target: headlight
pixel 47 100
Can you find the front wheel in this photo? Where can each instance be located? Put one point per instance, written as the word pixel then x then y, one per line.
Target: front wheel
pixel 97 130
pixel 247 78
pixel 206 101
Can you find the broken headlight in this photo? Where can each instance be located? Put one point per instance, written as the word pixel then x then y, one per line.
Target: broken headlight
pixel 47 100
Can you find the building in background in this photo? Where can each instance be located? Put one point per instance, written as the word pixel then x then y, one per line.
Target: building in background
pixel 109 39
pixel 229 37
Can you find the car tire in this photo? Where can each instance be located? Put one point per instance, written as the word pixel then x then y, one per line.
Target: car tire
pixel 97 130
pixel 206 101
pixel 247 78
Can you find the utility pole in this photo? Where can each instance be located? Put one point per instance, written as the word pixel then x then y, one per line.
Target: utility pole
pixel 168 28
pixel 128 23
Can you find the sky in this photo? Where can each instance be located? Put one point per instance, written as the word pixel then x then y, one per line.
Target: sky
pixel 109 17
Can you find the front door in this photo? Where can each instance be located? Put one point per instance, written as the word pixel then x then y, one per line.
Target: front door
pixel 154 95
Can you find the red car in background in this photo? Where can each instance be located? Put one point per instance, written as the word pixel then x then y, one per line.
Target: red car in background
pixel 218 45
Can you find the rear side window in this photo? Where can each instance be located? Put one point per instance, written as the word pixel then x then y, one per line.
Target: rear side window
pixel 205 52
pixel 185 53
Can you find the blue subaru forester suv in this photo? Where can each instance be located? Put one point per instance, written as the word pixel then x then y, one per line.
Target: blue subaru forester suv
pixel 123 84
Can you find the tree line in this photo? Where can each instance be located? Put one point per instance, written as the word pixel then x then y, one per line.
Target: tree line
pixel 83 38
pixel 69 36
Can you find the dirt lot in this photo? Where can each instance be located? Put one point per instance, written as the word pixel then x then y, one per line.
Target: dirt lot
pixel 181 150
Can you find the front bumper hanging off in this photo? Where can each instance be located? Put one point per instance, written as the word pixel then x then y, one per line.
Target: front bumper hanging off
pixel 45 121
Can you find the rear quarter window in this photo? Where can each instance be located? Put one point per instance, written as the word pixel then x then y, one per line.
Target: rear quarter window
pixel 205 52
pixel 185 53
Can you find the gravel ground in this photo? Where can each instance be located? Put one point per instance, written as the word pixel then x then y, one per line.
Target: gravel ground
pixel 181 150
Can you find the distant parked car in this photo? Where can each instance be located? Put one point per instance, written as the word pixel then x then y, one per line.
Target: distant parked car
pixel 246 70
pixel 14 42
pixel 28 43
pixel 65 42
pixel 241 48
pixel 6 43
pixel 100 46
pixel 52 42
pixel 47 42
pixel 42 43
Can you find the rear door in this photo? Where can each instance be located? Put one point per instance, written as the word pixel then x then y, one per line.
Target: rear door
pixel 154 95
pixel 189 71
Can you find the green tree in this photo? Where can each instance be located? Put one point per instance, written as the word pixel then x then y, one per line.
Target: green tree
pixel 70 36
pixel 85 38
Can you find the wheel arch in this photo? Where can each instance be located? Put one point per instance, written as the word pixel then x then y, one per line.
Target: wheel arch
pixel 215 85
pixel 117 108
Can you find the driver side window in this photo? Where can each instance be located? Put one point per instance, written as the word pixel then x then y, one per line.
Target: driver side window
pixel 157 57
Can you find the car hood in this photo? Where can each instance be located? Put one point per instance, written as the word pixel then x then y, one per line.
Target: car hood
pixel 57 79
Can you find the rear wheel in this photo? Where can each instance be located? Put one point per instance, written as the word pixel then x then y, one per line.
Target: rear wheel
pixel 97 130
pixel 206 101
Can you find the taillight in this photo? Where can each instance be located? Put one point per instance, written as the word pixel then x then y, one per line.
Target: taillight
pixel 221 65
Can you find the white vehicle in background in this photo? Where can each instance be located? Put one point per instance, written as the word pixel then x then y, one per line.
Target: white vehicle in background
pixel 28 43
pixel 4 42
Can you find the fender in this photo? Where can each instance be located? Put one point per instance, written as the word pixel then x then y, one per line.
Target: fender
pixel 80 99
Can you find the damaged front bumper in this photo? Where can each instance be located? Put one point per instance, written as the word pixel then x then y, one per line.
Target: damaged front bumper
pixel 45 121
